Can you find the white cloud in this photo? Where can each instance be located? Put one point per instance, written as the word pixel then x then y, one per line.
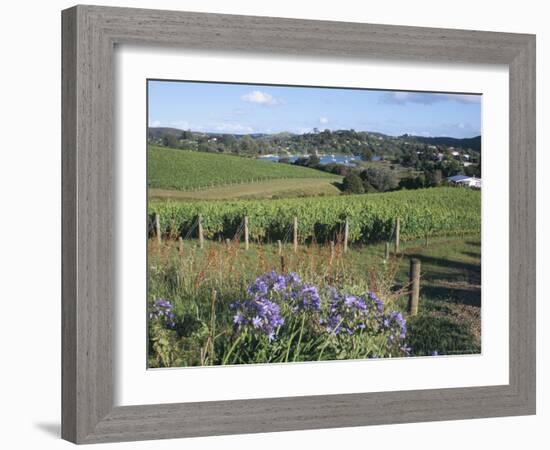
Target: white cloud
pixel 261 98
pixel 427 98
pixel 323 120
pixel 227 127
pixel 180 124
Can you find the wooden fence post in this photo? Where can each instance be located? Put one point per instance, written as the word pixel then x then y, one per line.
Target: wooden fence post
pixel 283 265
pixel 180 245
pixel 331 250
pixel 228 242
pixel 201 232
pixel 387 251
pixel 280 245
pixel 415 286
pixel 346 235
pixel 295 234
pixel 157 227
pixel 397 234
pixel 246 233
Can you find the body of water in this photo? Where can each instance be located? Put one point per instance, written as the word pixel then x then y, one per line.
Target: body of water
pixel 346 160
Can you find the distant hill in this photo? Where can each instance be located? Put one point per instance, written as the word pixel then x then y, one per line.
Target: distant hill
pixel 161 132
pixel 359 143
pixel 471 143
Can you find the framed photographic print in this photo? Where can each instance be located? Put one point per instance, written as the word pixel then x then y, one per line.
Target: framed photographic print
pixel 276 224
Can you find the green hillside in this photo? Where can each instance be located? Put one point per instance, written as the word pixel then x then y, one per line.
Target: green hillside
pixel 184 170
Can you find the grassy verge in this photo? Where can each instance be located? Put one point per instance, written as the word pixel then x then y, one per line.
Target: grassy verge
pixel 270 189
pixel 201 284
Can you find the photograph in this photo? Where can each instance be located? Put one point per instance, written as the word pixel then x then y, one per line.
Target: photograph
pixel 298 224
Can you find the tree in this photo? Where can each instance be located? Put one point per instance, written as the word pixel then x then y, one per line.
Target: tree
pixel 352 184
pixel 381 179
pixel 247 145
pixel 473 171
pixel 313 160
pixel 186 135
pixel 301 161
pixel 450 167
pixel 228 140
pixel 433 177
pixel 413 182
pixel 170 141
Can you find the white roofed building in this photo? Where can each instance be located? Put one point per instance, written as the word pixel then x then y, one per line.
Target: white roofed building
pixel 465 180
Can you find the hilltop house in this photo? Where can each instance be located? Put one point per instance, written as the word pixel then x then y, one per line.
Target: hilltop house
pixel 464 180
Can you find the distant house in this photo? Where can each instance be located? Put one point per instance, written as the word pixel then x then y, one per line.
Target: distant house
pixel 464 180
pixel 466 164
pixel 455 153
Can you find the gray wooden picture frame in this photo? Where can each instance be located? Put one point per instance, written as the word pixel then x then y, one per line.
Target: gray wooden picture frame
pixel 89 36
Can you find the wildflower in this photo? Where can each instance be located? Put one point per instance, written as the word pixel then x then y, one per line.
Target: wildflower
pixel 238 319
pixel 292 278
pixel 303 297
pixel 256 322
pixel 270 281
pixel 347 313
pixel 397 321
pixel 379 304
pixel 258 314
pixel 162 310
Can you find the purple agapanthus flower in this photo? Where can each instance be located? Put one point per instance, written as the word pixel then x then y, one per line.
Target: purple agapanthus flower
pixel 303 297
pixel 292 279
pixel 270 281
pixel 347 313
pixel 379 304
pixel 395 320
pixel 258 314
pixel 162 310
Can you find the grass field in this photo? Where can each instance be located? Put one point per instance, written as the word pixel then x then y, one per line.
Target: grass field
pixel 270 189
pixel 202 283
pixel 171 169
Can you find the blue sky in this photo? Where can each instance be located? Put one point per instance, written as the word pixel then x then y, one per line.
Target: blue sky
pixel 247 108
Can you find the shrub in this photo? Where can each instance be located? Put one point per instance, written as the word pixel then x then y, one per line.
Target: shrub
pixel 352 184
pixel 381 179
